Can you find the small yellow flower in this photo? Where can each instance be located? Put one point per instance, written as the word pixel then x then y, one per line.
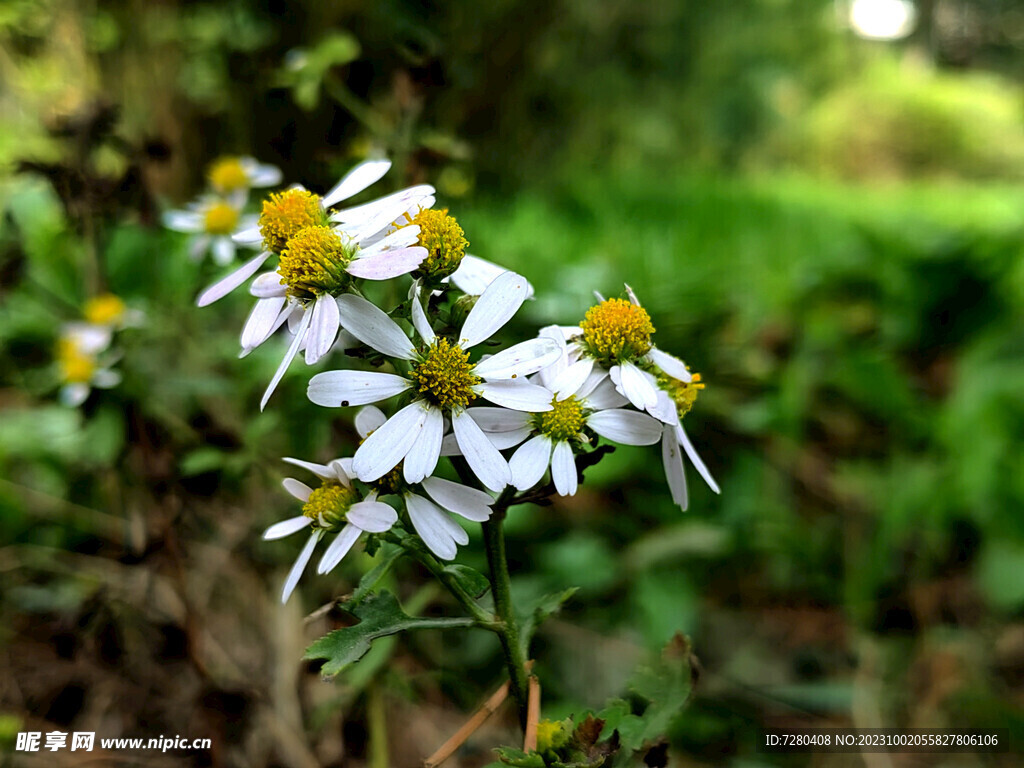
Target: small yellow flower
pixel 444 240
pixel 226 174
pixel 285 213
pixel 445 376
pixel 105 309
pixel 76 367
pixel 617 330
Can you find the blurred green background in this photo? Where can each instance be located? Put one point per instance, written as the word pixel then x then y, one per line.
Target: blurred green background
pixel 828 228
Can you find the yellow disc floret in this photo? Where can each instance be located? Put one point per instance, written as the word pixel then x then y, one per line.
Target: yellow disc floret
pixel 445 376
pixel 313 262
pixel 227 175
pixel 327 505
pixel 76 367
pixel 444 240
pixel 285 213
pixel 220 218
pixel 563 422
pixel 617 330
pixel 105 309
pixel 683 393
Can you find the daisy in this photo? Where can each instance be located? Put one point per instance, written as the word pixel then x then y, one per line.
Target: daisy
pixel 284 214
pixel 110 312
pixel 615 336
pixel 429 510
pixel 233 177
pixel 213 221
pixel 443 381
pixel 335 507
pixel 81 363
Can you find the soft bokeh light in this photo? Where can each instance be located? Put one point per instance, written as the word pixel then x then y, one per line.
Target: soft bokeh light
pixel 883 19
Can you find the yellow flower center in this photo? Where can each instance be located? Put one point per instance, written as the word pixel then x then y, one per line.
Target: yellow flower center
pixel 327 505
pixel 76 367
pixel 227 174
pixel 285 213
pixel 563 422
pixel 220 218
pixel 104 309
pixel 443 238
pixel 313 262
pixel 617 330
pixel 683 393
pixel 551 734
pixel 445 376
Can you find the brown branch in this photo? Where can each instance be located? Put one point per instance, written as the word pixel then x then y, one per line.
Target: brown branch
pixel 532 715
pixel 447 749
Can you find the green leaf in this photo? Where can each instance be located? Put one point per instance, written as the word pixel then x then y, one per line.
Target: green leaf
pixel 202 460
pixel 379 616
pixel 518 758
pixel 470 579
pixel 539 612
pixel 389 555
pixel 666 685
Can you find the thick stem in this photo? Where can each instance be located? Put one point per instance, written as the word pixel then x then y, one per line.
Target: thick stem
pixel 501 588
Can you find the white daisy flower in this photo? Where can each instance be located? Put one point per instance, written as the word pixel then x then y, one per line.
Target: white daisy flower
pixel 675 399
pixel 285 213
pixel 233 177
pixel 82 364
pixel 429 510
pixel 213 221
pixel 444 382
pixel 615 336
pixel 335 507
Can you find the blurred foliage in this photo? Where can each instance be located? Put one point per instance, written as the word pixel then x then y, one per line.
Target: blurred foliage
pixel 861 342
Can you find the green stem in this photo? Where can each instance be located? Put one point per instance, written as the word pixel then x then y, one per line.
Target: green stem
pixel 480 617
pixel 501 587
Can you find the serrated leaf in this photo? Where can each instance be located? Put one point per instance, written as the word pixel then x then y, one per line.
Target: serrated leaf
pixel 518 758
pixel 539 612
pixel 379 616
pixel 470 579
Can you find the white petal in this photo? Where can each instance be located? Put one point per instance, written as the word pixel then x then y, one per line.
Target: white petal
pixel 672 459
pixel 422 457
pixel 664 409
pixel 388 264
pixel 438 531
pixel 369 419
pixel 481 455
pixel 632 296
pixel 226 285
pixel 268 284
pixel 322 471
pixel 340 389
pixel 517 396
pixel 293 350
pixel 297 488
pixel 106 378
pixel 628 427
pixel 494 308
pixel 340 468
pixel 248 236
pixel 549 373
pixel 382 215
pixel 475 274
pixel 262 175
pixel 400 238
pixel 223 251
pixel 373 327
pixel 372 516
pixel 261 322
pixel 530 462
pixel 684 440
pixel 673 366
pixel 403 199
pixel 603 396
pixel 390 443
pixel 183 221
pixel 471 503
pixel 323 328
pixel 358 179
pixel 336 552
pixel 503 440
pixel 563 469
pixel 450 446
pixel 498 419
pixel 519 360
pixel 300 565
pixel 420 322
pixel 286 527
pixel 634 385
pixel 571 380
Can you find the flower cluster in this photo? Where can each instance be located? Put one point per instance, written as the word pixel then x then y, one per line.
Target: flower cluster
pixel 502 418
pixel 218 213
pixel 84 350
